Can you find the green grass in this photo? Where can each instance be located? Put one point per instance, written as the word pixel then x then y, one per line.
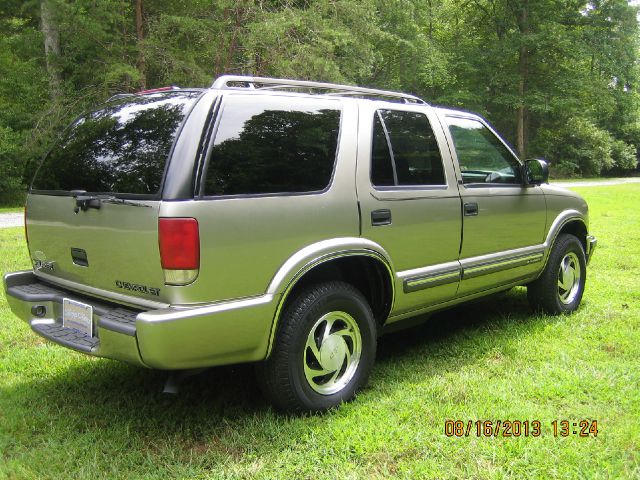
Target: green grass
pixel 11 209
pixel 65 415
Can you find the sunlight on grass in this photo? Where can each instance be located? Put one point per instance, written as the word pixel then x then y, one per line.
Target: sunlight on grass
pixel 65 415
pixel 11 210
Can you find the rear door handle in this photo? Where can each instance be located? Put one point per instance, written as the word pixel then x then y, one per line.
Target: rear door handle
pixel 470 209
pixel 381 217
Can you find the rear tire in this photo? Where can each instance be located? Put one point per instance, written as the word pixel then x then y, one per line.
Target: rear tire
pixel 560 287
pixel 323 351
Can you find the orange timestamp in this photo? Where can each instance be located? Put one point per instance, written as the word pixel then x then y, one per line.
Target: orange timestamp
pixel 520 428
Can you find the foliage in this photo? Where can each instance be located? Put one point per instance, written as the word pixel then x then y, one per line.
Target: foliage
pixel 532 68
pixel 624 156
pixel 581 148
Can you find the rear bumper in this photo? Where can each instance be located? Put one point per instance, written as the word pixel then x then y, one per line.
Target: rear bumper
pixel 592 243
pixel 171 338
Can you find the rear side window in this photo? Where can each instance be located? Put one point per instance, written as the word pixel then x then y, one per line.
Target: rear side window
pixel 121 148
pixel 405 150
pixel 273 145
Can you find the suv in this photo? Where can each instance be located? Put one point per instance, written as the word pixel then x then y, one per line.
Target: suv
pixel 286 223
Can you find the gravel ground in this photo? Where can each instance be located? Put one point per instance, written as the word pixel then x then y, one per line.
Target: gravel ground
pixel 597 183
pixel 11 220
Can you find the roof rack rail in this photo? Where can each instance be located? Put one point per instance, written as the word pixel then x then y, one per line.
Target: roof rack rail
pixel 226 82
pixel 118 96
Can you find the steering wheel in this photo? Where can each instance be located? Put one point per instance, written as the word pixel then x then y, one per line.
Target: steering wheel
pixel 494 177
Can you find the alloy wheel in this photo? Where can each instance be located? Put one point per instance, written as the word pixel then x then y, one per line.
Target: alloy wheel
pixel 569 275
pixel 332 352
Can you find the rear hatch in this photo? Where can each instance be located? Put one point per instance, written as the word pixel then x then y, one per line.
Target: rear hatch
pixel 92 212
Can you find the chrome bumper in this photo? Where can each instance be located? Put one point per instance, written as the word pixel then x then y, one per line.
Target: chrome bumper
pixel 173 338
pixel 592 243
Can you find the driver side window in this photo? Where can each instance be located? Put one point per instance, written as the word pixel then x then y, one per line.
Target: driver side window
pixel 483 158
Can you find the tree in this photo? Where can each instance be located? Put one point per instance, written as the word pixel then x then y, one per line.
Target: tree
pixel 140 39
pixel 50 32
pixel 532 68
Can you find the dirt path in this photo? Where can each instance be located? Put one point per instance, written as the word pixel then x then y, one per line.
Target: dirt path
pixel 597 183
pixel 11 220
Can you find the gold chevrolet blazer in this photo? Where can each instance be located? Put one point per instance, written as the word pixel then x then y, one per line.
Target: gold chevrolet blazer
pixel 286 223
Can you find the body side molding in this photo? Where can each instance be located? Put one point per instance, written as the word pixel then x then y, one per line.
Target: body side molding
pixel 435 275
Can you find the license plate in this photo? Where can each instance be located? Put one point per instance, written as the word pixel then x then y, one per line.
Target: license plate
pixel 78 316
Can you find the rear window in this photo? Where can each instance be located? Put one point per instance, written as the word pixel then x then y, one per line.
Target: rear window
pixel 121 148
pixel 273 145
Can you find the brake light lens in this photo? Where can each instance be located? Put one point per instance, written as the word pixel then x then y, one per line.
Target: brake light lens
pixel 179 241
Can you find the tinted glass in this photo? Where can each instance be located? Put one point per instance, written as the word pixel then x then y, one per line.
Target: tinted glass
pixel 416 156
pixel 381 163
pixel 121 148
pixel 482 156
pixel 273 145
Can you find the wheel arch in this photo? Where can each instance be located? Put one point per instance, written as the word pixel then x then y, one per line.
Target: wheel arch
pixel 568 221
pixel 577 228
pixel 367 269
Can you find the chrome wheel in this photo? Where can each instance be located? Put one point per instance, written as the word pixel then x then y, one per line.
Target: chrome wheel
pixel 569 275
pixel 332 352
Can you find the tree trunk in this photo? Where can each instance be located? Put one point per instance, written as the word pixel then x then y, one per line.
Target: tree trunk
pixel 430 19
pixel 523 111
pixel 523 71
pixel 50 31
pixel 142 67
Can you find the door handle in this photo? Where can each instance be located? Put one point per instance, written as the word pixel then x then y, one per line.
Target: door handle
pixel 470 209
pixel 381 217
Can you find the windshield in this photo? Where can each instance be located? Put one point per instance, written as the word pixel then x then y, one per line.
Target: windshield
pixel 121 148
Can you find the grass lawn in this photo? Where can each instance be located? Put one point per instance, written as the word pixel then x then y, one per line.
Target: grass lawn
pixel 11 209
pixel 66 415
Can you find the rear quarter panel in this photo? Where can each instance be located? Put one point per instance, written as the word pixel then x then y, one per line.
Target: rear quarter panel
pixel 245 240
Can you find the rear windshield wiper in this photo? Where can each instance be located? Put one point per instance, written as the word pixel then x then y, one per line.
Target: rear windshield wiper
pixel 121 201
pixel 85 202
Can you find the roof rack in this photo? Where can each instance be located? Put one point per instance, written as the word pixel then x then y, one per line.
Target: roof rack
pixel 240 82
pixel 118 96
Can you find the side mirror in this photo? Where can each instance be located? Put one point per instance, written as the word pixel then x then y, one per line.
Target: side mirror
pixel 536 171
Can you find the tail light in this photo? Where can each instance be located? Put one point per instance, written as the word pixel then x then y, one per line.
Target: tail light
pixel 179 241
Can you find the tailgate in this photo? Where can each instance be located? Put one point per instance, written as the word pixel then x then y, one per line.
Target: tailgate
pixel 112 248
pixel 92 211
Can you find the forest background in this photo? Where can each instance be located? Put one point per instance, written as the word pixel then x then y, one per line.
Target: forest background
pixel 558 78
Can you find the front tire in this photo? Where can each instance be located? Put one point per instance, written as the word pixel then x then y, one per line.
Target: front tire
pixel 323 351
pixel 560 287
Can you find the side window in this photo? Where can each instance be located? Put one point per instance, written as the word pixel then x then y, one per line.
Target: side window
pixel 404 150
pixel 382 167
pixel 482 156
pixel 273 145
